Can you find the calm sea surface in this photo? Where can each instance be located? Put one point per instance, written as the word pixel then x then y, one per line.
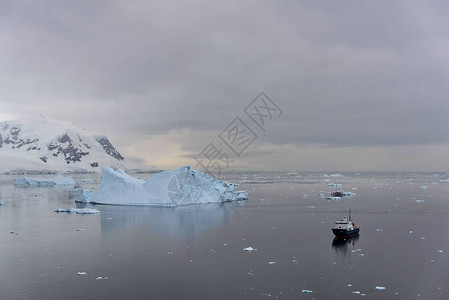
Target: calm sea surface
pixel 196 252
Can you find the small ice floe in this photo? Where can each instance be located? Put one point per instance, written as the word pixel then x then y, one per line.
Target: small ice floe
pixel 441 251
pixel 424 187
pixel 249 249
pixel 2 203
pixel 411 232
pixel 81 229
pixel 82 273
pixel 271 262
pixel 87 180
pixel 380 287
pixel 87 211
pixel 99 278
pixel 337 175
pixel 321 194
pixel 342 194
pixel 307 291
pixel 356 292
pixel 334 184
pixel 333 198
pixel 379 229
pixel 419 201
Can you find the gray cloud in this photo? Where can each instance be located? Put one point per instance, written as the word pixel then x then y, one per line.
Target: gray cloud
pixel 346 74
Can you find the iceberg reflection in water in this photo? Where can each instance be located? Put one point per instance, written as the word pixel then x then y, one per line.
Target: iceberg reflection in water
pixel 183 223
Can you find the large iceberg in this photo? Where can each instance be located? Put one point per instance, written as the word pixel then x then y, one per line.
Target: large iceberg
pixel 169 188
pixel 44 182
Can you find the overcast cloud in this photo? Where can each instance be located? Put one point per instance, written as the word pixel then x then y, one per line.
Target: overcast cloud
pixel 363 85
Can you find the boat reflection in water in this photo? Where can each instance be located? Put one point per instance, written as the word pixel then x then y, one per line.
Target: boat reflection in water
pixel 344 246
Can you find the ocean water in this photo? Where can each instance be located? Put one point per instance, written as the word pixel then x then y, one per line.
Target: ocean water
pixel 196 252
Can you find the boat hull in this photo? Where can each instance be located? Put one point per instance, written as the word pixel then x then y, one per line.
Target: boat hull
pixel 345 233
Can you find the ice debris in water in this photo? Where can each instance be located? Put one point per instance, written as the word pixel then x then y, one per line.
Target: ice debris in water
pixel 249 249
pixel 380 288
pixel 82 273
pixel 307 291
pixel 271 262
pixel 419 201
pixel 2 203
pixel 333 198
pixel 169 188
pixel 77 210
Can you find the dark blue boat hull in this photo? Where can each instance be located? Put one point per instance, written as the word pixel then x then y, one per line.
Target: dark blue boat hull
pixel 345 233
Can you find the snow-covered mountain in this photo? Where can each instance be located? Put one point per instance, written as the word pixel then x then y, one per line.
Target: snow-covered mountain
pixel 47 144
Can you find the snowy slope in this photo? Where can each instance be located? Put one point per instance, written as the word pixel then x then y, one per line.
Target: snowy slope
pixel 47 144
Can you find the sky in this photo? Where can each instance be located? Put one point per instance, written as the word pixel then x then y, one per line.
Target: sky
pixel 353 85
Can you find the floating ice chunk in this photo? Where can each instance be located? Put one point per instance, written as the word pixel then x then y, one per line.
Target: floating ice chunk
pixel 419 201
pixel 169 188
pixel 342 194
pixel 441 251
pixel 271 262
pixel 2 203
pixel 380 287
pixel 307 291
pixel 379 229
pixel 87 180
pixel 99 278
pixel 356 292
pixel 333 198
pixel 81 229
pixel 77 210
pixel 334 184
pixel 337 175
pixel 82 273
pixel 249 249
pixel 424 187
pixel 44 182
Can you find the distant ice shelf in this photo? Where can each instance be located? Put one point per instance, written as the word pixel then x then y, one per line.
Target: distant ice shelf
pixel 44 182
pixel 169 188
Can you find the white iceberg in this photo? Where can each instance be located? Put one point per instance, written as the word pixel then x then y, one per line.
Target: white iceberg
pixel 169 188
pixel 44 182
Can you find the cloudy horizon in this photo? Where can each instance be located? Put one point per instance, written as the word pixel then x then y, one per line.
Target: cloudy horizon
pixel 362 85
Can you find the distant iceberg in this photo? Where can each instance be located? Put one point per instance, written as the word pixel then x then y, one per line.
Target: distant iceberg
pixel 44 182
pixel 169 188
